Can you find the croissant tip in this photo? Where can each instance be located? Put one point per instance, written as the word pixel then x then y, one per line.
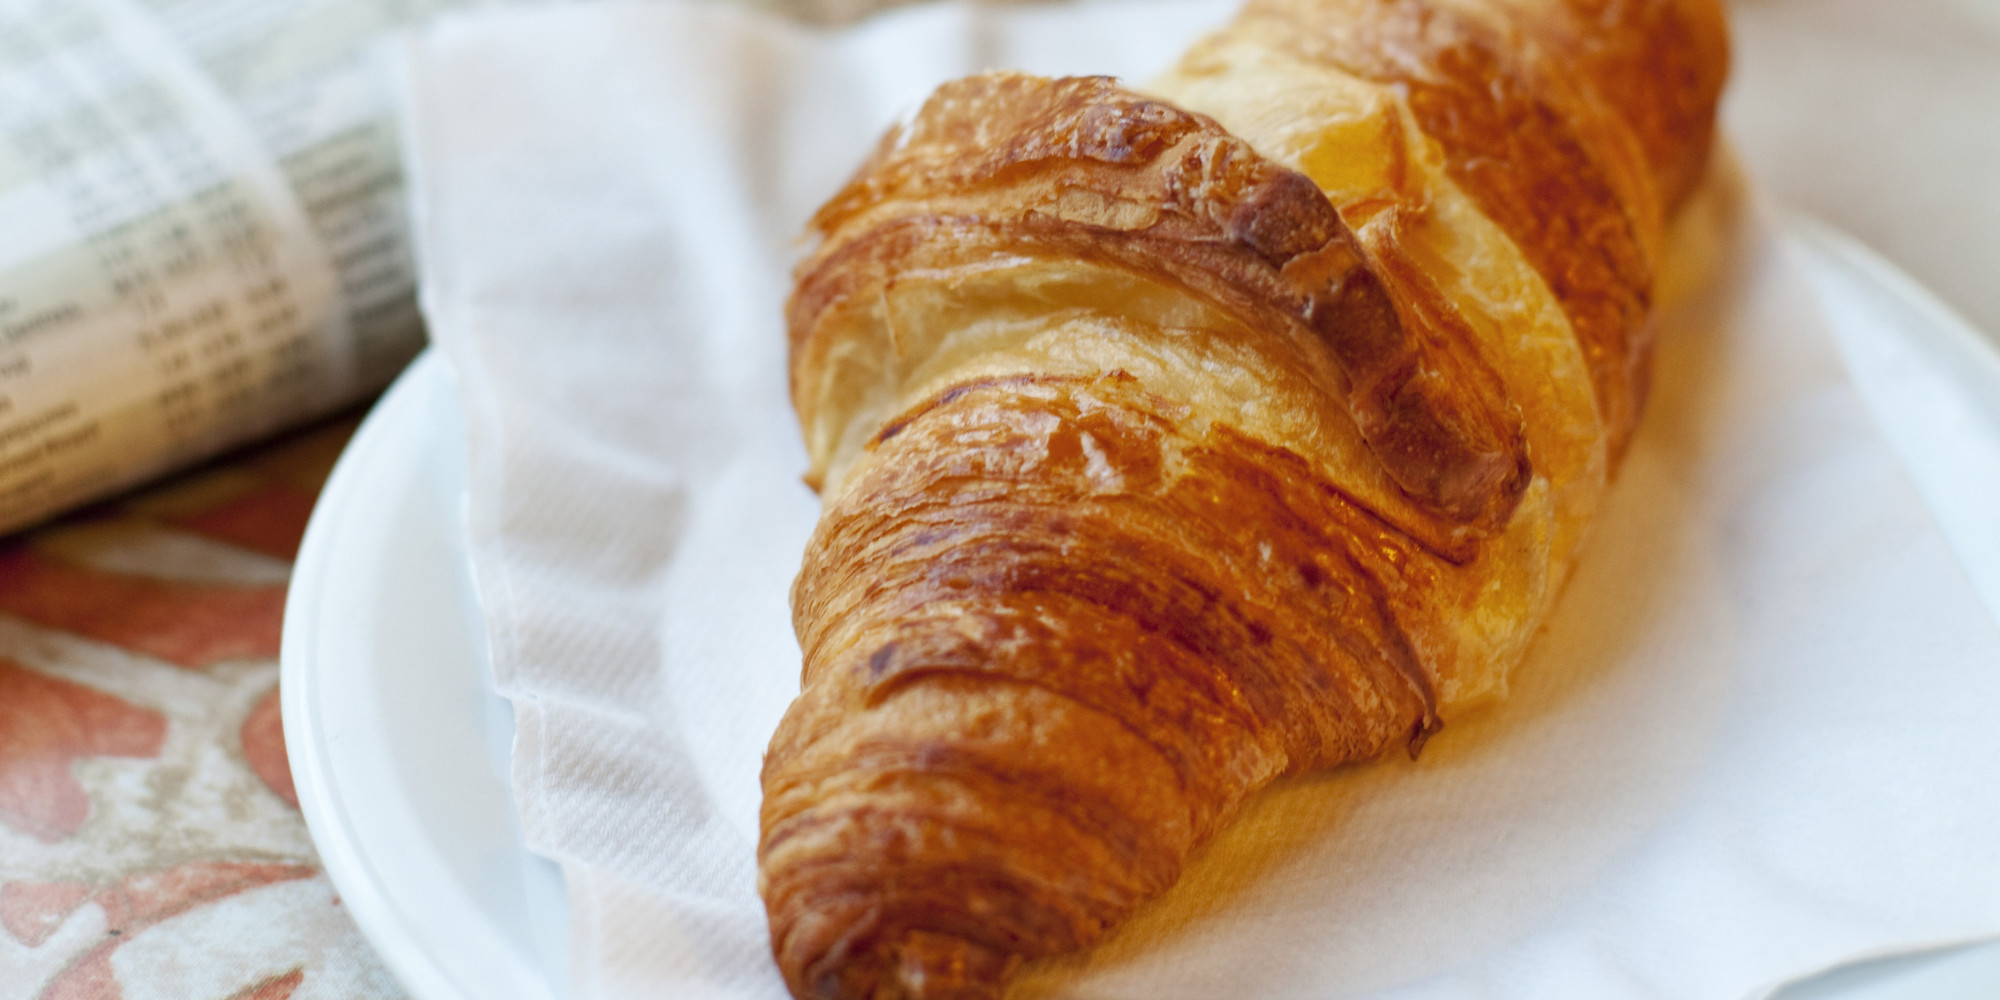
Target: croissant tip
pixel 921 965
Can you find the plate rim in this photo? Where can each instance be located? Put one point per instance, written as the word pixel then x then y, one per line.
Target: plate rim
pixel 402 937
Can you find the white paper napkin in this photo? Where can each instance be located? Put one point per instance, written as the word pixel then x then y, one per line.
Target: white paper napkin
pixel 1755 741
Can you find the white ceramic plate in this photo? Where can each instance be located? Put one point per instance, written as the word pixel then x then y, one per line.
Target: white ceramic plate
pixel 399 746
pixel 1931 380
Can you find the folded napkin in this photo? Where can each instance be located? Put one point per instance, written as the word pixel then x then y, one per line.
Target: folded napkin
pixel 1755 741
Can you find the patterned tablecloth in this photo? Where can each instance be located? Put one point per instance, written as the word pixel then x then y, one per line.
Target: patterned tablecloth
pixel 150 840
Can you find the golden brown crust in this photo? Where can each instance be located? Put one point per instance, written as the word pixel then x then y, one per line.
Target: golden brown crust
pixel 1658 63
pixel 1160 461
pixel 1193 599
pixel 1541 158
pixel 1080 169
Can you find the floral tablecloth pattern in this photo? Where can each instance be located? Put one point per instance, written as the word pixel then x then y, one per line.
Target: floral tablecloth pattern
pixel 150 840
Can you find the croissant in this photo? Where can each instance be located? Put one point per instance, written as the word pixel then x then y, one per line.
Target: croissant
pixel 1173 442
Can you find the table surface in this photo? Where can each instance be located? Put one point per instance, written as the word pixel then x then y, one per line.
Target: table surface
pixel 150 840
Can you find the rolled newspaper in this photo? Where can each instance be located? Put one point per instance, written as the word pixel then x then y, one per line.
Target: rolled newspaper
pixel 202 232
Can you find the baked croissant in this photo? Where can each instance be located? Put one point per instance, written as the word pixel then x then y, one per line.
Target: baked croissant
pixel 1171 443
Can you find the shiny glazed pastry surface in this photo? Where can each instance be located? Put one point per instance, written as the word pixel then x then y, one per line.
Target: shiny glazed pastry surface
pixel 1172 442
